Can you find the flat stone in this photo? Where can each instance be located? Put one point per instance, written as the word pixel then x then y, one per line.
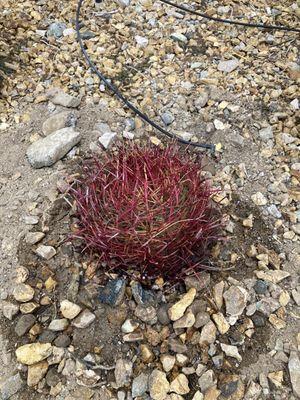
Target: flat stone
pixel 23 293
pixel 208 334
pixel 178 309
pixel 59 121
pixel 179 37
pixel 9 310
pixel 228 66
pixel 168 362
pixel 123 372
pixel 267 305
pixel 294 371
pixel 36 373
pixel 30 354
pixel 34 237
pixel 11 386
pixel 24 323
pixel 69 310
pixel 47 151
pixel 46 252
pixel 133 337
pixel 167 118
pixel 222 325
pixel 113 293
pixel 235 300
pixel 266 133
pixel 58 325
pixel 140 385
pixel 158 385
pixel 231 351
pixel 274 276
pixel 107 139
pixel 84 319
pixel 60 98
pixel 187 321
pixel 180 385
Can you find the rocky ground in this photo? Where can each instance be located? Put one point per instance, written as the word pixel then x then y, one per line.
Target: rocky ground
pixel 68 331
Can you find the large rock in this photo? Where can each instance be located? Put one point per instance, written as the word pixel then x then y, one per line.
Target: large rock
pixel 178 309
pixel 33 353
pixel 47 151
pixel 158 385
pixel 58 121
pixel 294 370
pixel 36 372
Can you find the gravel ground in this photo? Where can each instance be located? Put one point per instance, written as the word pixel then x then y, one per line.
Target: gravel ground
pixel 236 334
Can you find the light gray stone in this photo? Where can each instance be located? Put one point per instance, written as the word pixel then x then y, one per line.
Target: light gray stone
pixel 140 385
pixel 11 386
pixel 84 319
pixel 107 139
pixel 60 98
pixel 58 121
pixel 294 370
pixel 228 66
pixel 123 372
pixel 46 252
pixel 47 151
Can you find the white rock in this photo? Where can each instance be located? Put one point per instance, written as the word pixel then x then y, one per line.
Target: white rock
pixel 69 310
pixel 141 41
pixel 46 252
pixel 9 310
pixel 274 276
pixel 168 362
pixel 198 396
pixel 129 326
pixel 47 151
pixel 84 319
pixel 228 66
pixel 295 104
pixel 259 199
pixel 107 139
pixel 58 325
pixel 219 125
pixel 179 37
pixel 128 135
pixel 231 351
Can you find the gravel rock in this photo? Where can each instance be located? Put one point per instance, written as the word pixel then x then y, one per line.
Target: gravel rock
pixel 69 310
pixel 60 98
pixel 58 325
pixel 46 252
pixel 123 372
pixel 11 386
pixel 179 37
pixel 167 118
pixel 294 370
pixel 162 314
pixel 266 133
pixel 47 336
pixel 258 320
pixel 140 385
pixel 36 373
pixel 23 293
pixel 47 151
pixel 198 282
pixel 113 293
pixel 30 354
pixel 274 276
pixel 259 199
pixel 207 380
pixel 158 385
pixel 59 121
pixel 180 385
pixel 9 310
pixel 62 341
pixel 84 319
pixel 146 314
pixel 56 29
pixel 187 321
pixel 208 334
pixel 178 309
pixel 107 139
pixel 231 351
pixel 52 377
pixel 228 66
pixel 34 237
pixel 199 103
pixel 198 396
pixel 141 41
pixel 129 326
pixel 222 325
pixel 168 362
pixel 267 306
pixel 177 346
pixel 260 287
pixel 140 295
pixel 24 323
pixel 235 300
pixel 202 318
